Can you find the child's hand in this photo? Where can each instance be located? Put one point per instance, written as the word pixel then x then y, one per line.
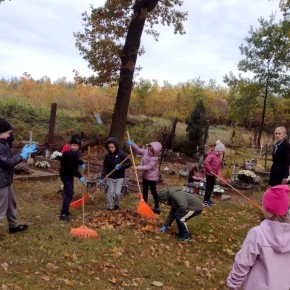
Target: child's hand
pixel 130 142
pixel 163 229
pixel 83 167
pixel 82 180
pixel 118 167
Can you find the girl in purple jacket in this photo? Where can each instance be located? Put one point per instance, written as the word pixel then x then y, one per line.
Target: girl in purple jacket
pixel 150 171
pixel 263 262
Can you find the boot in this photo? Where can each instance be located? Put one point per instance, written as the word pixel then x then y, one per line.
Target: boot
pixel 156 210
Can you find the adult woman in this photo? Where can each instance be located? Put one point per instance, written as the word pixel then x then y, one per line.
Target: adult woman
pixel 281 158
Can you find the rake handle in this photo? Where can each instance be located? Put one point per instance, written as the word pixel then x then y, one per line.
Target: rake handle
pixel 108 175
pixel 135 170
pixel 248 199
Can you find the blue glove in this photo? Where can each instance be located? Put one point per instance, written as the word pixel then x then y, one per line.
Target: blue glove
pixel 117 167
pixel 28 149
pixel 82 180
pixel 83 167
pixel 130 143
pixel 163 229
pixel 24 155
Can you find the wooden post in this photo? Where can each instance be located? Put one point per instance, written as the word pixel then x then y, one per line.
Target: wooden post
pixel 50 135
pixel 89 161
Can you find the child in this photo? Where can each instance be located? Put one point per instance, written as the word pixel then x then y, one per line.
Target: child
pixel 263 262
pixel 150 171
pixel 184 206
pixel 111 162
pixel 194 175
pixel 7 163
pixel 212 164
pixel 69 167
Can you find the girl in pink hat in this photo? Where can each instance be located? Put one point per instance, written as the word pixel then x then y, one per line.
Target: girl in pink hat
pixel 263 262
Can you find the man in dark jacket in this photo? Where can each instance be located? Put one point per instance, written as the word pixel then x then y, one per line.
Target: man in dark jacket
pixel 111 162
pixel 184 206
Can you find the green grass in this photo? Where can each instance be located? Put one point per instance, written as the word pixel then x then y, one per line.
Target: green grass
pixel 130 252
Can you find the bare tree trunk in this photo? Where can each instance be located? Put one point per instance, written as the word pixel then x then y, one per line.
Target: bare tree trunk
pixel 263 116
pixel 128 59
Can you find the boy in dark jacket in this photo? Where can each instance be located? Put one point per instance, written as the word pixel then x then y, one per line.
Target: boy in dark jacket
pixel 7 163
pixel 69 168
pixel 184 206
pixel 112 162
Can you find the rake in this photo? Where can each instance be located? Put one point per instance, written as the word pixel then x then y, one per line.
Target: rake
pixel 244 196
pixel 143 208
pixel 83 231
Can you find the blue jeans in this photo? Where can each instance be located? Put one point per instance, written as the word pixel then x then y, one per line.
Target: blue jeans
pixel 68 192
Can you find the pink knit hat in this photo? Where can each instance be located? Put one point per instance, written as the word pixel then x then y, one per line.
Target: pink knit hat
pixel 276 200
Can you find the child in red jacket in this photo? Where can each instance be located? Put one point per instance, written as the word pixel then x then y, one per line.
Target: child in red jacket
pixel 212 164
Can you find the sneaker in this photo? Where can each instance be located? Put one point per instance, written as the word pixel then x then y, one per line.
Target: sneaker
pixel 64 217
pixel 116 207
pixel 211 202
pixel 206 203
pixel 156 210
pixel 19 228
pixel 185 239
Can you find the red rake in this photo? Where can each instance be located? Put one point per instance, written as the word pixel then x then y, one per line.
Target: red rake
pixel 248 199
pixel 143 208
pixel 83 231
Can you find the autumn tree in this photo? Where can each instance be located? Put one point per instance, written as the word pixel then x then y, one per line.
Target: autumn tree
pixel 267 57
pixel 111 43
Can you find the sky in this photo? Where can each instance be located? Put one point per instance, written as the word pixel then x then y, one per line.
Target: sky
pixel 37 37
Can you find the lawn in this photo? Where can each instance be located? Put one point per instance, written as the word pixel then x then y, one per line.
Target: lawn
pixel 130 252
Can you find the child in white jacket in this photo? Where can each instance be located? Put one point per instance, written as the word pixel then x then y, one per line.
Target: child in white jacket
pixel 263 262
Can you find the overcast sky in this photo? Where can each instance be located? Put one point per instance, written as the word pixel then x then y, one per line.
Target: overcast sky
pixel 37 37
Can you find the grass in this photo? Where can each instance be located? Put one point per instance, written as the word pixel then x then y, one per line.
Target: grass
pixel 130 253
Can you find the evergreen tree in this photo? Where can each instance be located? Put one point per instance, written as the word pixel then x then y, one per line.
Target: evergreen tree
pixel 196 125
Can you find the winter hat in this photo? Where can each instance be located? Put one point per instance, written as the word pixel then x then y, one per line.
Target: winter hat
pixel 220 147
pixel 4 126
pixel 276 200
pixel 75 139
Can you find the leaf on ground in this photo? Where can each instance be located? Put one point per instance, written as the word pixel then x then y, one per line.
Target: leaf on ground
pixel 187 264
pixel 157 284
pixel 113 280
pixel 5 267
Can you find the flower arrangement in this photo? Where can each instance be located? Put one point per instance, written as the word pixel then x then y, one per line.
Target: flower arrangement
pixel 246 176
pixel 55 155
pixel 42 164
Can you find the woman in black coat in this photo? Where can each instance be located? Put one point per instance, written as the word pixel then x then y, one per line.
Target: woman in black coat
pixel 281 158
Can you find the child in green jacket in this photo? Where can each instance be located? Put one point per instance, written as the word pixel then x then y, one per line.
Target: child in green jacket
pixel 184 206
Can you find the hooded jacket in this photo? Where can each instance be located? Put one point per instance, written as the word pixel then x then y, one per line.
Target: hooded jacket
pixel 263 262
pixel 112 159
pixel 181 202
pixel 212 163
pixel 149 163
pixel 7 163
